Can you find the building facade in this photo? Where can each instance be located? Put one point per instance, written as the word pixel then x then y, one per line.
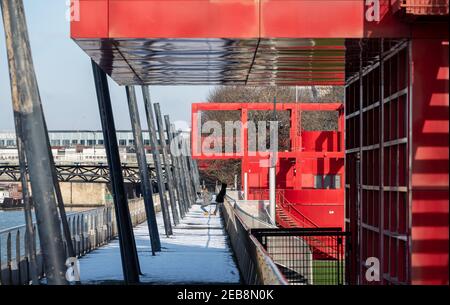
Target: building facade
pixel 71 138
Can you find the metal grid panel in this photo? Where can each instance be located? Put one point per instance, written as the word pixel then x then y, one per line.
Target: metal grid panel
pixel 377 209
pixel 307 256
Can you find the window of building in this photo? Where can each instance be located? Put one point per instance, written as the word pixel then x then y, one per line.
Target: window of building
pixel 122 142
pixel 327 182
pixel 74 142
pixel 147 142
pixel 130 142
pixel 91 142
pixel 10 143
pixel 66 142
pixel 100 142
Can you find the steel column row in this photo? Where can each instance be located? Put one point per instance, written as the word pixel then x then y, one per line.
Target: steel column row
pixel 176 169
pixel 157 160
pixel 168 166
pixel 142 161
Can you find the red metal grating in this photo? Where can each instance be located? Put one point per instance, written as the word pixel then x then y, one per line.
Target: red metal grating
pixel 425 7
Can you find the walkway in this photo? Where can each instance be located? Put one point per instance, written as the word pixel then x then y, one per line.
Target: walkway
pixel 197 253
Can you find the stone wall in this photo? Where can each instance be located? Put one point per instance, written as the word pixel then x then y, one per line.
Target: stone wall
pixel 94 194
pixel 89 194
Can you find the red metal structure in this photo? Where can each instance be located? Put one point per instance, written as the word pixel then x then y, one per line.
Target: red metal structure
pixel 392 56
pixel 309 175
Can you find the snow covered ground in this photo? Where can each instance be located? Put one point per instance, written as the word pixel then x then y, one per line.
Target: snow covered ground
pixel 197 253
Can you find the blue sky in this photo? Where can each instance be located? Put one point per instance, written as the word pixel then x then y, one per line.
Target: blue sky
pixel 65 78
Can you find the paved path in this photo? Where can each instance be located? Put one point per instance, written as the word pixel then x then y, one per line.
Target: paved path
pixel 197 253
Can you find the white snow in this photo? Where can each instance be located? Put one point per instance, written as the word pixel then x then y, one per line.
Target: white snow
pixel 197 253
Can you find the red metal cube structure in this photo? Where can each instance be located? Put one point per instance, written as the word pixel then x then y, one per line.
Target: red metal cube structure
pixel 309 176
pixel 392 57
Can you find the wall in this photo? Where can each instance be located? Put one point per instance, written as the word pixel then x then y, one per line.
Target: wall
pixel 429 161
pixel 94 194
pixel 84 193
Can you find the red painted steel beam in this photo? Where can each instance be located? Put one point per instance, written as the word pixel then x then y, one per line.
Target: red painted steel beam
pixel 320 18
pixel 236 19
pixel 295 110
pixel 267 106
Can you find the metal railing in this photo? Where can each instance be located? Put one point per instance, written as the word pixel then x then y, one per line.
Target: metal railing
pixel 285 203
pixel 88 229
pixel 260 218
pixel 281 200
pixel 301 259
pixel 425 7
pixel 255 265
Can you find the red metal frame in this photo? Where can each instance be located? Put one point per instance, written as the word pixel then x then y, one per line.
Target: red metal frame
pixel 235 19
pixel 397 163
pixel 312 153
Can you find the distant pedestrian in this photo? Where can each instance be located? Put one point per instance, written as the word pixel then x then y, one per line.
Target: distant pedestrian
pixel 220 198
pixel 206 199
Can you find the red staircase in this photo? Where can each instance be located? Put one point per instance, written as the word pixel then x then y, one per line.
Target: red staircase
pixel 284 220
pixel 322 248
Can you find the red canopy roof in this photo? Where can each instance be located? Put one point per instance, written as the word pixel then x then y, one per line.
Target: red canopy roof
pixel 252 42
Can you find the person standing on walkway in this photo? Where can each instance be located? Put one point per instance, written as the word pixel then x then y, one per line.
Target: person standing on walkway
pixel 206 199
pixel 220 198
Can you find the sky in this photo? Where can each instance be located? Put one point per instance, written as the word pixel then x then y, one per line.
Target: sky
pixel 66 83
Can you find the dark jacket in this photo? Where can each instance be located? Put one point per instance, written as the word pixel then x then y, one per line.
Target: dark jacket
pixel 221 196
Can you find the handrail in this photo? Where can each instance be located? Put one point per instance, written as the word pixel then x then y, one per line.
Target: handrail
pixel 285 202
pixel 18 227
pixel 3 231
pixel 255 264
pixel 292 206
pixel 89 229
pixel 237 207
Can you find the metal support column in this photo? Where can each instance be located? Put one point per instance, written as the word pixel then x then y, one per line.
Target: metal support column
pixel 193 167
pixel 176 148
pixel 175 166
pixel 381 166
pixel 143 169
pixel 189 177
pixel 360 164
pixel 27 106
pixel 194 171
pixel 29 228
pixel 168 166
pixel 59 198
pixel 130 262
pixel 157 160
pixel 246 186
pixel 197 174
pixel 272 195
pixel 272 170
pixel 186 178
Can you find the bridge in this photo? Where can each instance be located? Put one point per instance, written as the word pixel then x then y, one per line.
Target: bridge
pixel 82 173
